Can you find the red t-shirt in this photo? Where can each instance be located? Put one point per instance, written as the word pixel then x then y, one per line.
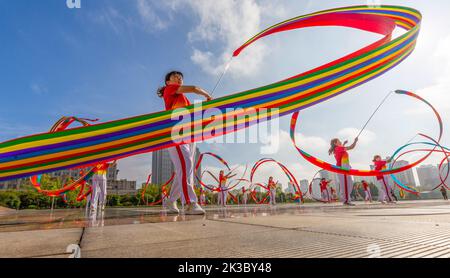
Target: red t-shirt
pixel 102 168
pixel 380 165
pixel 323 185
pixel 365 185
pixel 222 181
pixel 174 100
pixel 271 185
pixel 341 155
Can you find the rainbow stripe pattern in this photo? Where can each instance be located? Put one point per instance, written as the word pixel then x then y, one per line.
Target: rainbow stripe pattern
pixel 48 152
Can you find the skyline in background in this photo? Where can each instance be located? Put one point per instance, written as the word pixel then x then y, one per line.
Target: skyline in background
pixel 106 60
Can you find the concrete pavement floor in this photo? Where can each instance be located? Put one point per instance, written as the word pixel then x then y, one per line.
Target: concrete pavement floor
pixel 408 229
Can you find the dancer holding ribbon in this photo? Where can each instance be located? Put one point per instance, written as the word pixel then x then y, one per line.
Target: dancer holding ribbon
pixel 272 186
pixel 385 191
pixel 244 196
pixel 340 153
pixel 99 185
pixel 324 190
pixel 182 156
pixel 223 189
pixel 368 194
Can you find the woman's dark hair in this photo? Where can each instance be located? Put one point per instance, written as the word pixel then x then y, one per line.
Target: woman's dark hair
pixel 160 91
pixel 333 144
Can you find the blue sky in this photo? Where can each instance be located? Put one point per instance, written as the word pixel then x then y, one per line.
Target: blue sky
pixel 106 59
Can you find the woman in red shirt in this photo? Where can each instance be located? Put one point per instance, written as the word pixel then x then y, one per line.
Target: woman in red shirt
pixel 182 156
pixel 384 194
pixel 368 194
pixel 342 160
pixel 99 186
pixel 272 186
pixel 324 190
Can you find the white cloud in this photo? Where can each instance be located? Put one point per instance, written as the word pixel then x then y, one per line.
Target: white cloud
pixel 114 19
pixel 349 133
pixel 135 168
pixel 38 89
pixel 228 23
pixel 438 92
pixel 225 23
pixel 148 12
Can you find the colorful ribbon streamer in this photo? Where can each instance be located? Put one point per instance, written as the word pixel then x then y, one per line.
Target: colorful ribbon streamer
pixel 49 152
pixel 62 124
pixel 164 190
pixel 289 175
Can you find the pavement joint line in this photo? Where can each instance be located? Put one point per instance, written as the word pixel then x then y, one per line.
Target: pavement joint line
pixel 186 240
pixel 49 255
pixel 83 230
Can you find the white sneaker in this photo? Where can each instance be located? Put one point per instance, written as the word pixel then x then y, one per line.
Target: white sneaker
pixel 194 209
pixel 172 207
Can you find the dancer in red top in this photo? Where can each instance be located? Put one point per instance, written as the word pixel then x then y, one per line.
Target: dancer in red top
pixel 182 156
pixel 223 190
pixel 342 160
pixel 324 190
pixel 244 196
pixel 385 191
pixel 368 194
pixel 99 185
pixel 272 186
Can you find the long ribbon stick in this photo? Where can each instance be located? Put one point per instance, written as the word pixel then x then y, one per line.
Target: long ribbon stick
pixel 373 114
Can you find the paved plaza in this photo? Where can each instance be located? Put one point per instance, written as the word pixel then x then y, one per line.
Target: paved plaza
pixel 409 229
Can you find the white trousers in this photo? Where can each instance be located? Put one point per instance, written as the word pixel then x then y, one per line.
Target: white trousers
pixel 325 196
pixel 182 157
pixel 98 191
pixel 384 191
pixel 223 198
pixel 368 196
pixel 345 187
pixel 244 198
pixel 273 194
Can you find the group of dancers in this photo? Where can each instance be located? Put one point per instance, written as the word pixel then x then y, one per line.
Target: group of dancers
pixel 182 157
pixel 385 190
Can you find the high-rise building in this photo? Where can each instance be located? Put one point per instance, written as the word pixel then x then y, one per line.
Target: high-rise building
pixel 121 187
pixel 12 184
pixel 406 177
pixel 304 185
pixel 162 167
pixel 428 176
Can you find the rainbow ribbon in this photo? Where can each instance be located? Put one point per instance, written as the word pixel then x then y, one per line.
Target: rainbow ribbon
pixel 298 193
pixel 164 190
pixel 365 173
pixel 49 152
